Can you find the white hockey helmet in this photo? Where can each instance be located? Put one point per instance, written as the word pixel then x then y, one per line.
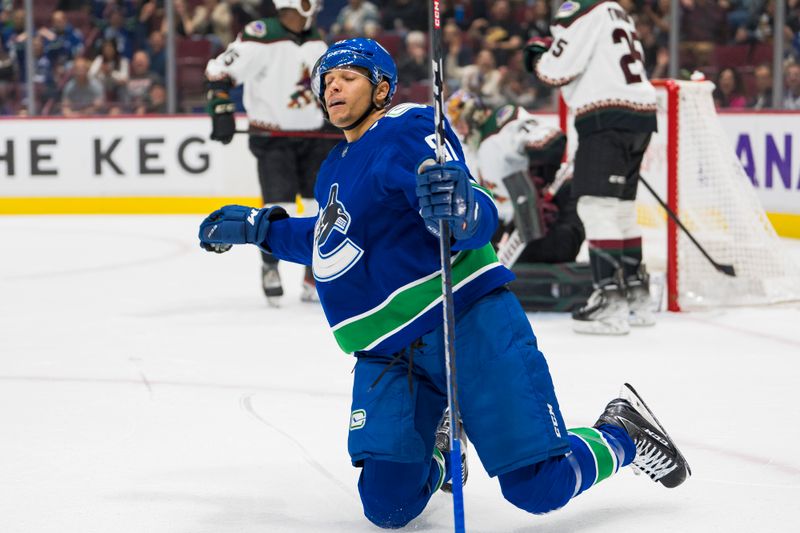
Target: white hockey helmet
pixel 297 5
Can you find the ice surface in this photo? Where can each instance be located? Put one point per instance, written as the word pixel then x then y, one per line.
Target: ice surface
pixel 145 386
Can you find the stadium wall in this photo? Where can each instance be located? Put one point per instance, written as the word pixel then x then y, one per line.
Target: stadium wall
pixel 138 165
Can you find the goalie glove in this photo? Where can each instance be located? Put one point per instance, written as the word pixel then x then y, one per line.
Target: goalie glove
pixel 534 49
pixel 237 224
pixel 221 109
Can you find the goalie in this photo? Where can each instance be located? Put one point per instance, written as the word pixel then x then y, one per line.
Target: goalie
pixel 519 160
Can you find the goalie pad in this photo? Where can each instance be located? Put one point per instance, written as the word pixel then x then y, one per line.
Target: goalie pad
pixel 553 287
pixel 525 200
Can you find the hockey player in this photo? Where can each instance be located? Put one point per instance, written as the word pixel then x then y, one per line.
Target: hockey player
pixel 273 58
pixel 597 60
pixel 375 257
pixel 510 143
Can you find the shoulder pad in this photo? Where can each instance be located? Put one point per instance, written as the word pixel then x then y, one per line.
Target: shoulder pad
pixel 267 29
pixel 501 116
pixel 574 9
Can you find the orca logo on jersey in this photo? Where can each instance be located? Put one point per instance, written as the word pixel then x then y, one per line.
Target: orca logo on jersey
pixel 345 254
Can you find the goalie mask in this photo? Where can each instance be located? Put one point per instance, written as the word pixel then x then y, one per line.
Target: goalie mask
pixel 467 114
pixel 315 6
pixel 359 52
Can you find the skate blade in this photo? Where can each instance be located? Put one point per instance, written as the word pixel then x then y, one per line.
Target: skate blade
pixel 639 321
pixel 274 301
pixel 596 327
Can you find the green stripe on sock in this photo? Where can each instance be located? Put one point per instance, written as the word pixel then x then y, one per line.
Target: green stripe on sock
pixel 438 458
pixel 604 457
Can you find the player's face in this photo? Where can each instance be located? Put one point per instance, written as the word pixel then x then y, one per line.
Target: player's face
pixel 348 93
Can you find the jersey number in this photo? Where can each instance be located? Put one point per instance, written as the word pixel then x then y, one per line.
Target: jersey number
pixel 449 153
pixel 634 56
pixel 229 57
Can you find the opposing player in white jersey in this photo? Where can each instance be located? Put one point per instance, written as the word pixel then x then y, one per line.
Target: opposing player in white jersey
pixel 518 158
pixel 273 58
pixel 597 60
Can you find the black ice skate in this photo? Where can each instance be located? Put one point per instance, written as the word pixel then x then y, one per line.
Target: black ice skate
pixel 656 453
pixel 271 283
pixel 443 445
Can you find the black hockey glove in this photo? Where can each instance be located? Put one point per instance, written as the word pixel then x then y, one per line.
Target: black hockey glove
pixel 237 224
pixel 220 107
pixel 534 49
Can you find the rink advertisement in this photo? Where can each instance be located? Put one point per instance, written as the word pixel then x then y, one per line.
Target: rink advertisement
pixel 168 165
pixel 129 165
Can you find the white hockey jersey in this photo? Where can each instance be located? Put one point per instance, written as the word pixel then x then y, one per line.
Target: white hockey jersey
pixel 597 60
pixel 275 66
pixel 508 138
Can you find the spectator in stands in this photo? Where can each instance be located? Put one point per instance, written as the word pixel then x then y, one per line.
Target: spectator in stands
pixel 515 89
pixel 111 70
pixel 83 95
pixel 658 12
pixel 62 42
pixel 536 22
pixel 118 31
pixel 458 54
pixel 14 31
pixel 483 79
pixel 156 53
pixel 43 78
pixel 156 102
pixel 702 28
pixel 358 18
pixel 791 98
pixel 414 66
pixel 405 15
pixel 7 78
pixel 147 20
pixel 729 92
pixel 763 81
pixel 139 83
pixel 213 19
pixel 499 33
pixel 184 26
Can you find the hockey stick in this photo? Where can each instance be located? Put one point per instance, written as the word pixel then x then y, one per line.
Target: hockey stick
pixel 437 86
pixel 296 134
pixel 509 250
pixel 725 269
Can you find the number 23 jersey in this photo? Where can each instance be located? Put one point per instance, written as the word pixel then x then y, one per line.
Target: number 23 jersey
pixel 597 60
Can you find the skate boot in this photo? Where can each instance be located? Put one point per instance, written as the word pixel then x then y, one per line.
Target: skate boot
pixel 309 292
pixel 443 446
pixel 605 313
pixel 640 311
pixel 656 453
pixel 271 283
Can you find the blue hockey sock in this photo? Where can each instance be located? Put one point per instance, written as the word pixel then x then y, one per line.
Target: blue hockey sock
pixel 600 452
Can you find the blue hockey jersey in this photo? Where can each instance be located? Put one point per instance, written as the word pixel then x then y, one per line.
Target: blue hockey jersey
pixel 376 265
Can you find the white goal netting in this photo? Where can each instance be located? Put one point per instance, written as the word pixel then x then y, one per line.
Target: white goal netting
pixel 718 204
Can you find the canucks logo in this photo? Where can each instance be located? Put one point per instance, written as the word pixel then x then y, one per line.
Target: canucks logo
pixel 342 254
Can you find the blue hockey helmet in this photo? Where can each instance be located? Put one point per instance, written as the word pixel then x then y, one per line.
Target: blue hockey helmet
pixel 359 52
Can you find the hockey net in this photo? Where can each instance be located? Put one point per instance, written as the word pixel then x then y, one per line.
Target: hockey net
pixel 693 168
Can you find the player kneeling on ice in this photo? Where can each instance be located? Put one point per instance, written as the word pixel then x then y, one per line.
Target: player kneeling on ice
pixel 375 256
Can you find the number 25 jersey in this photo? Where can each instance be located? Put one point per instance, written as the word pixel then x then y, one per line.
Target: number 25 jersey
pixel 597 60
